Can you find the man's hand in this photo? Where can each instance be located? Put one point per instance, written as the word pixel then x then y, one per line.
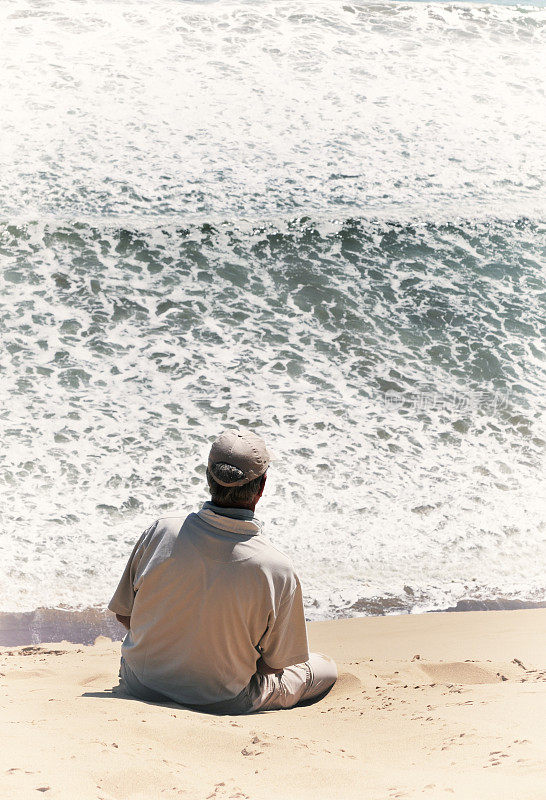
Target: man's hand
pixel 125 621
pixel 265 669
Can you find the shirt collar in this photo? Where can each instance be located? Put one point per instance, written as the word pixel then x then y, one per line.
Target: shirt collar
pixel 233 513
pixel 240 521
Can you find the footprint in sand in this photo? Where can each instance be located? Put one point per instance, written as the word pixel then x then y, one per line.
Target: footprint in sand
pixel 256 746
pixel 461 672
pixel 223 792
pixel 13 770
pixel 495 757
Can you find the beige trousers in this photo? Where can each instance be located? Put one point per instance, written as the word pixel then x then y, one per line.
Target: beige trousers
pixel 298 683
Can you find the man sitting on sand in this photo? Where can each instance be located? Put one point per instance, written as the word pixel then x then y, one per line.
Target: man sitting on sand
pixel 214 611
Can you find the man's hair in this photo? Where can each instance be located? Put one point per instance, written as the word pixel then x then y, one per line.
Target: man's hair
pixel 233 496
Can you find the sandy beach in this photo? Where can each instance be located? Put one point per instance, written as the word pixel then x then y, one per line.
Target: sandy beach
pixel 433 706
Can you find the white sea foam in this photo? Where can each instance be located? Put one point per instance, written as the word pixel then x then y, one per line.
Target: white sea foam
pixel 274 108
pixel 411 446
pixel 319 219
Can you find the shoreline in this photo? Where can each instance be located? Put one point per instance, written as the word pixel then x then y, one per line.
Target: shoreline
pixel 426 706
pixel 45 625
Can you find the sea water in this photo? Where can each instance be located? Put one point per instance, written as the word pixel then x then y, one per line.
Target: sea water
pixel 325 221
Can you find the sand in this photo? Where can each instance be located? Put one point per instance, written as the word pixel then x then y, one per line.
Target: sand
pixel 429 706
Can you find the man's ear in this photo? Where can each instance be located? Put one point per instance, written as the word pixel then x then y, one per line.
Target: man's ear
pixel 262 486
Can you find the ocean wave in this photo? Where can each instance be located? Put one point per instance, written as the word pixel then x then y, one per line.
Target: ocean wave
pixel 56 625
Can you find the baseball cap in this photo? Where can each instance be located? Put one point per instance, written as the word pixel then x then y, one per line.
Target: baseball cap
pixel 242 449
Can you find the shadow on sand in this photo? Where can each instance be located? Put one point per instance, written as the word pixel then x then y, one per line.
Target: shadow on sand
pixel 119 693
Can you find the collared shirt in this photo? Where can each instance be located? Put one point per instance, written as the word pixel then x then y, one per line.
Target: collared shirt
pixel 207 595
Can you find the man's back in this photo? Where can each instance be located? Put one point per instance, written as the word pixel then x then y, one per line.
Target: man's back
pixel 206 596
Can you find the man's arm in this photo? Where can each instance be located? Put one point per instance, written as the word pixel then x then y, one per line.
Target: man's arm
pixel 285 639
pixel 125 621
pixel 265 669
pixel 121 603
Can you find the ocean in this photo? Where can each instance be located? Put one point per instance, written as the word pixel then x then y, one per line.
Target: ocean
pixel 325 221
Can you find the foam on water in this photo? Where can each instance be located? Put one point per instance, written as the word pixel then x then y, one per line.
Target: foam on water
pixel 397 369
pixel 323 220
pixel 258 109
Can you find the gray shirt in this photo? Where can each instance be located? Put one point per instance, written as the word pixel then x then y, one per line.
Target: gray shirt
pixel 207 595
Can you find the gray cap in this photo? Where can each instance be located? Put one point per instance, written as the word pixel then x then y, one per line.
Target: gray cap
pixel 241 449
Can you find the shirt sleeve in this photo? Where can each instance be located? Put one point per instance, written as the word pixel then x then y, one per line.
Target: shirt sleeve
pixel 124 596
pixel 285 641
